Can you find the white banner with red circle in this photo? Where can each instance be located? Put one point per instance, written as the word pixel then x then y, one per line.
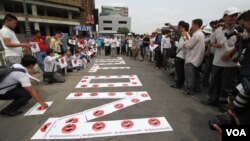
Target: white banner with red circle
pixel 37 109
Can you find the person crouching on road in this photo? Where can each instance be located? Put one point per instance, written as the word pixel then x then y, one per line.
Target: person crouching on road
pixel 17 86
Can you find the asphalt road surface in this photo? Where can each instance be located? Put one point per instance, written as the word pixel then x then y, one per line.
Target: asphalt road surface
pixel 186 115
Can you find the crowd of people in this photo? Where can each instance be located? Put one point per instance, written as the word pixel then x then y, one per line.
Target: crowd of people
pixel 200 55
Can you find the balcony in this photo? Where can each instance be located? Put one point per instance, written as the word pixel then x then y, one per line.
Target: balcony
pixel 43 19
pixel 77 3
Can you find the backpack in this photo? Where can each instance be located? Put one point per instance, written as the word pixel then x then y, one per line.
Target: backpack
pixel 5 71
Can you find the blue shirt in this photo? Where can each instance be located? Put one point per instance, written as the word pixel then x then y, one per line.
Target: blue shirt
pixel 98 43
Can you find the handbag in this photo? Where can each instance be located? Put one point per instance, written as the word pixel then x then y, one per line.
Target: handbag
pixel 48 76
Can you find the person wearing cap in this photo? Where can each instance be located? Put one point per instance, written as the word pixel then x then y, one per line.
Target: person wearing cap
pixel 223 70
pixel 17 86
pixel 208 60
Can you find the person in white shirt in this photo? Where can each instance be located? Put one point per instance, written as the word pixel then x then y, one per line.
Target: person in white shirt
pixel 165 46
pixel 223 70
pixel 51 65
pixel 118 45
pixel 12 46
pixel 16 85
pixel 130 45
pixel 91 42
pixel 107 45
pixel 113 47
pixel 179 61
pixel 194 54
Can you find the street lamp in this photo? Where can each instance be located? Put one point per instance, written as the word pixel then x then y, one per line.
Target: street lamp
pixel 27 25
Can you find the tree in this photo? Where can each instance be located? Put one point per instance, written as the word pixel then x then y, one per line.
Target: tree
pixel 123 30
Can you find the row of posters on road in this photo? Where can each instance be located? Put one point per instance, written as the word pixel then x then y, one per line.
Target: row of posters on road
pixel 77 126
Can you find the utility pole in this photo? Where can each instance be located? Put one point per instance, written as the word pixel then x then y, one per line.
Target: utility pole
pixel 27 24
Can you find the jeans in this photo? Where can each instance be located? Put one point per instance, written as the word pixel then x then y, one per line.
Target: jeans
pixel 180 72
pixel 192 78
pixel 99 50
pixel 221 80
pixel 20 97
pixel 40 57
pixel 208 69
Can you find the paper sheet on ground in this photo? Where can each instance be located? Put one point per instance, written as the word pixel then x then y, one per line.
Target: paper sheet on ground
pixel 37 109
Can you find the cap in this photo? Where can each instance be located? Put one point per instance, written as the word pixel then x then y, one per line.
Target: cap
pixel 231 11
pixel 207 29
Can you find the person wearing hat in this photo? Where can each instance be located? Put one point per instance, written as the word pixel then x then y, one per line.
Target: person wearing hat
pixel 209 56
pixel 223 70
pixel 16 86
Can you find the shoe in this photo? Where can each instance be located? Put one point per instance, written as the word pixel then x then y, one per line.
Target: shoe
pixel 198 91
pixel 186 92
pixel 209 103
pixel 11 114
pixel 174 86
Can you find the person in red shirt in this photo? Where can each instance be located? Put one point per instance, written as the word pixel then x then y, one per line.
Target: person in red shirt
pixel 40 40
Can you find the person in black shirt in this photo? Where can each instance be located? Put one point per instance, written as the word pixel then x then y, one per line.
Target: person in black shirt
pixel 145 45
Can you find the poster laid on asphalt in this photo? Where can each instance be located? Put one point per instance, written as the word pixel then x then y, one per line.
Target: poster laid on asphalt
pixel 68 127
pixel 44 129
pixel 37 109
pixel 125 127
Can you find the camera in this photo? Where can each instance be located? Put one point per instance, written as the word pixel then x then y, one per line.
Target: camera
pixel 167 24
pixel 237 29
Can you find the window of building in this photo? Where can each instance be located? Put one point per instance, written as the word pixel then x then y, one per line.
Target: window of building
pixel 123 22
pixel 109 22
pixel 107 28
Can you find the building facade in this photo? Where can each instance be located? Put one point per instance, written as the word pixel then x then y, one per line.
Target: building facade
pixel 48 16
pixel 113 18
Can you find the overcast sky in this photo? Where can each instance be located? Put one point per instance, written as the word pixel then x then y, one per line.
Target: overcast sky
pixel 147 15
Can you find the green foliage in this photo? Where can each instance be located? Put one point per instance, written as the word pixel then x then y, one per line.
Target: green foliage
pixel 123 30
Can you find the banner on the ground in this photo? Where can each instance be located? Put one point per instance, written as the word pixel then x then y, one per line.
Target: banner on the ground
pixel 125 127
pixel 85 82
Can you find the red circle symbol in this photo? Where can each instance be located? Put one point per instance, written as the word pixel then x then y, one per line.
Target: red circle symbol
pixel 98 113
pixel 129 93
pixel 75 61
pixel 127 124
pixel 68 128
pixel 111 94
pixel 94 94
pixel 124 85
pixel 84 86
pixel 95 86
pixel 111 85
pixel 40 108
pixel 45 127
pixel 72 120
pixel 98 126
pixel 78 94
pixel 154 122
pixel 144 95
pixel 119 106
pixel 135 100
pixel 134 83
pixel 62 61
